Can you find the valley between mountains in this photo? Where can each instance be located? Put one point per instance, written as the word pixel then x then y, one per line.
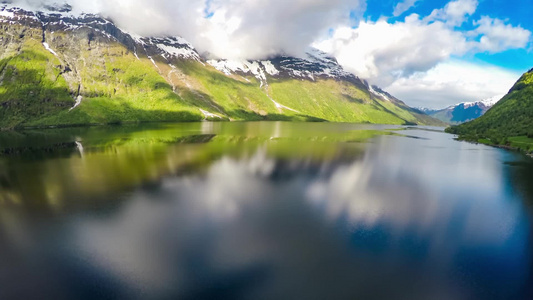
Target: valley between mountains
pixel 61 69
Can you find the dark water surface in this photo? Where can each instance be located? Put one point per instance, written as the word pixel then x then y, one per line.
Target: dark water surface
pixel 262 211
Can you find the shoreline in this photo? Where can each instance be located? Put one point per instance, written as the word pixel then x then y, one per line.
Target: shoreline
pixel 66 126
pixel 509 148
pixel 504 147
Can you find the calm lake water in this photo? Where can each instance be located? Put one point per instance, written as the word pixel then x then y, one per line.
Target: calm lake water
pixel 262 211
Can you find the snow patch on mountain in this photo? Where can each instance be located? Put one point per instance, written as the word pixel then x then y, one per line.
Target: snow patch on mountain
pixel 255 68
pixel 463 112
pixel 270 68
pixel 230 67
pixel 315 65
pixel 490 102
pixel 155 64
pixel 137 38
pixel 6 14
pixel 329 65
pixel 47 47
pixel 61 18
pixel 59 13
pixel 209 115
pixel 281 107
pixel 487 103
pixel 11 15
pixel 172 46
pixel 376 93
pixel 177 52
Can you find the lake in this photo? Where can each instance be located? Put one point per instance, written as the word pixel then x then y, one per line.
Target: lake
pixel 262 211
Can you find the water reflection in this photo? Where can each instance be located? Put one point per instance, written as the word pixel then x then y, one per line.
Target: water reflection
pixel 264 211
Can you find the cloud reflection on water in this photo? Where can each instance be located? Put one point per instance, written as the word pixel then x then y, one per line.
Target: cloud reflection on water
pixel 425 217
pixel 225 217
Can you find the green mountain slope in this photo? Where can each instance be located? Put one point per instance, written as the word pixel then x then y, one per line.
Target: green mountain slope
pixel 508 123
pixel 63 71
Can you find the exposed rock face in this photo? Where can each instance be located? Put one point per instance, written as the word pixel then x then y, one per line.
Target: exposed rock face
pixel 90 71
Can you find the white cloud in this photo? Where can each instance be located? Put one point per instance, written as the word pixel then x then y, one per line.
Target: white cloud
pixel 404 6
pixel 387 54
pixel 249 29
pixel 382 52
pixel 452 82
pixel 415 52
pixel 496 36
pixel 455 13
pixel 270 27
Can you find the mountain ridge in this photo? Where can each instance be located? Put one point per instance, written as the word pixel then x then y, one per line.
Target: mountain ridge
pixel 462 112
pixel 60 69
pixel 509 123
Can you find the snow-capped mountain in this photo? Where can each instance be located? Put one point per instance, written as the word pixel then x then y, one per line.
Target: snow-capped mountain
pixel 97 59
pixel 315 65
pixel 463 112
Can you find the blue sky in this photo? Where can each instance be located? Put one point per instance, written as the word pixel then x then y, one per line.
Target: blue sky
pixel 437 53
pixel 517 12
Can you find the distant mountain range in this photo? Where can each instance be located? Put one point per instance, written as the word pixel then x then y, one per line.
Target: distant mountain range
pixel 462 112
pixel 62 69
pixel 509 123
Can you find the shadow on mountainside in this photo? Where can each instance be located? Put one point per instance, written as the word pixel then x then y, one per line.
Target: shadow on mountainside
pixel 29 93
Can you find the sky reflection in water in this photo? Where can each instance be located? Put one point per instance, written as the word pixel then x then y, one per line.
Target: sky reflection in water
pixel 262 211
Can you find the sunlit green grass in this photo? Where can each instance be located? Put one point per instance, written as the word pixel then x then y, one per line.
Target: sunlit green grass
pixel 38 90
pixel 522 142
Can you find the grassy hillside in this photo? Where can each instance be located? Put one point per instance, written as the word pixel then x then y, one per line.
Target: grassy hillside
pixel 40 87
pixel 508 123
pixel 31 86
pixel 332 100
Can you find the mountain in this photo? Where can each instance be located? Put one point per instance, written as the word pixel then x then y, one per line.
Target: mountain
pixel 462 112
pixel 509 123
pixel 58 68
